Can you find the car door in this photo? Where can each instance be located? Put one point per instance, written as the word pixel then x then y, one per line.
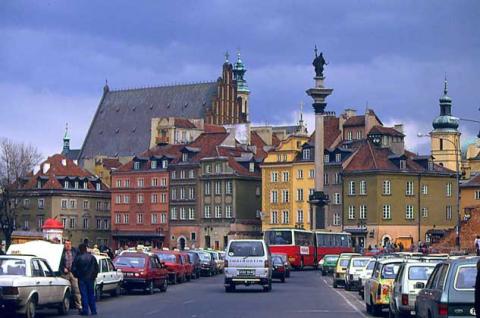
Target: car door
pixel 106 275
pixel 41 283
pixel 56 284
pixel 115 276
pixel 155 270
pixel 424 299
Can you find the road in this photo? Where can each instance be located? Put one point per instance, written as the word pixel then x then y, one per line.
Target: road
pixel 305 294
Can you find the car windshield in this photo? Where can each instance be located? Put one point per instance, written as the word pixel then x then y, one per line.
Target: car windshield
pixel 389 271
pixel 420 272
pixel 359 262
pixel 278 237
pixel 277 260
pixel 167 257
pixel 331 258
pixel 133 262
pixel 371 265
pixel 245 249
pixel 12 266
pixel 344 261
pixel 466 277
pixel 283 257
pixel 205 257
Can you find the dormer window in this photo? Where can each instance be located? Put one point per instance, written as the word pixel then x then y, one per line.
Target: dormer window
pixel 306 154
pixel 251 167
pixel 66 185
pixel 39 184
pixel 164 164
pixel 403 164
pixel 76 184
pixel 326 158
pixel 153 164
pixel 184 157
pixel 349 135
pixel 98 186
pixel 136 165
pixel 338 157
pixel 85 185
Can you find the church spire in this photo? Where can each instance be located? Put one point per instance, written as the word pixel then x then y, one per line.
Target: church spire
pixel 66 141
pixel 239 73
pixel 445 120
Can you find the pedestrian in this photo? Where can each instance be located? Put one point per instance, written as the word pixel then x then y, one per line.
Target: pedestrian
pixel 400 246
pixel 477 292
pixel 477 245
pixel 1 249
pixel 85 268
pixel 68 257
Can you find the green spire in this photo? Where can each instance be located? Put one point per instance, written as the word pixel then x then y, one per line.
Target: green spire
pixel 239 72
pixel 445 120
pixel 66 141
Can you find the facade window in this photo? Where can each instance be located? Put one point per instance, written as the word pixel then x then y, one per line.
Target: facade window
pixel 208 169
pixel 66 185
pixel 228 211
pixel 424 212
pixel 299 174
pixel 363 212
pixel 73 223
pixel 403 164
pixel 325 178
pixel 173 175
pixel 338 178
pixel 76 184
pixel 163 182
pixel 285 196
pixel 140 183
pixel 126 199
pixel 307 154
pixel 349 135
pixel 119 183
pixel 409 212
pixel 127 183
pixel 98 186
pixel 153 164
pixel 191 174
pixel 163 217
pixel 409 188
pixel 99 224
pixel 300 216
pixel 173 213
pixel 126 218
pixel 274 196
pixel 64 204
pixel 40 222
pixel 140 198
pixel 351 212
pixel 218 211
pixel 477 195
pixel 183 213
pixel 154 219
pixel 363 187
pixel 182 193
pixel 206 188
pixel 336 219
pixel 359 134
pixel 286 176
pixel 336 198
pixel 182 174
pixel 448 212
pixel 193 236
pixel 311 173
pixel 449 189
pixel 274 176
pixel 351 188
pixel 86 204
pixel 154 198
pixel 274 217
pixel 338 157
pixel 251 167
pixel 26 225
pixel 163 198
pixel 184 157
pixel 299 194
pixel 228 187
pixel 64 223
pixel 164 164
pixel 99 205
pixel 191 193
pixel 118 218
pixel 136 165
pixel 191 213
pixel 41 203
pixel 154 182
pixel 139 218
pixel 285 217
pixel 387 212
pixel 218 187
pixel 118 199
pixel 424 189
pixel 218 168
pixel 311 191
pixel 207 211
pixel 174 193
pixel 387 189
pixel 326 158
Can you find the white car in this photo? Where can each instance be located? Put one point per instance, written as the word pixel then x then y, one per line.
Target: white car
pixel 366 274
pixel 109 279
pixel 356 267
pixel 248 262
pixel 28 283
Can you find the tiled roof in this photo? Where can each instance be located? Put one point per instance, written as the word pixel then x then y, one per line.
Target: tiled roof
pixel 385 131
pixel 72 154
pixel 355 121
pixel 109 163
pixel 121 126
pixel 275 140
pixel 331 132
pixel 183 123
pixel 209 128
pixel 169 151
pixel 473 182
pixel 258 142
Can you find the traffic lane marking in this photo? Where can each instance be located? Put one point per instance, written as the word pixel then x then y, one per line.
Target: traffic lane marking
pixel 358 310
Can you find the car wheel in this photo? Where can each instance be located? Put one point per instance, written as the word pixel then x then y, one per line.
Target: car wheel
pixel 390 312
pixel 376 310
pixel 31 308
pixel 347 287
pixel 282 279
pixel 116 291
pixel 150 288
pixel 188 277
pixel 324 273
pixel 65 305
pixel 174 279
pixel 335 285
pixel 164 286
pixel 301 264
pixel 368 308
pixel 98 293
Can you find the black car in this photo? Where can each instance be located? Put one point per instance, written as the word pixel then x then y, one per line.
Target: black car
pixel 279 269
pixel 207 263
pixel 197 266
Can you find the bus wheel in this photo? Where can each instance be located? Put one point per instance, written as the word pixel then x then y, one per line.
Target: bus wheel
pixel 301 264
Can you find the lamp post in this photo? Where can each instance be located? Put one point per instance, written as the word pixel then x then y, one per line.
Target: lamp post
pixel 457 175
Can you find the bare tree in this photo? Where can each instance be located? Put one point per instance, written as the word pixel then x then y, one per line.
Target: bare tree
pixel 16 161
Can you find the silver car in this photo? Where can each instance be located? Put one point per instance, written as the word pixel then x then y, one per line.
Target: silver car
pixel 28 283
pixel 404 290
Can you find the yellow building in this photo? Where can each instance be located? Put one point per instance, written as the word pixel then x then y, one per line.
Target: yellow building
pixel 287 178
pixel 470 196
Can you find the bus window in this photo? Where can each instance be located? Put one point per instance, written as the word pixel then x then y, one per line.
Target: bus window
pixel 321 240
pixel 303 238
pixel 278 237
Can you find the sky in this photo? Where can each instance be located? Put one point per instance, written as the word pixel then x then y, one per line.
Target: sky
pixel 391 56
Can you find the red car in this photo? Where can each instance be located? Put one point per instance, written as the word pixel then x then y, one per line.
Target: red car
pixel 188 265
pixel 142 271
pixel 174 263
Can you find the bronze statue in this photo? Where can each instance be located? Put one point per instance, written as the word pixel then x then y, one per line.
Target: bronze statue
pixel 319 63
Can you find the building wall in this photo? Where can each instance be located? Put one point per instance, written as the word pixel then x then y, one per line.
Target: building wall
pixel 445 152
pixel 468 200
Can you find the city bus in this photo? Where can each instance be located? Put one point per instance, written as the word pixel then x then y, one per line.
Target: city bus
pixel 332 243
pixel 298 244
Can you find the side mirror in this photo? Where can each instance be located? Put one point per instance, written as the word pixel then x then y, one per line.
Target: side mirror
pixel 119 270
pixel 420 285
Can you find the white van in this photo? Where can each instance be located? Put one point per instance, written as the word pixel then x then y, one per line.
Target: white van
pixel 248 262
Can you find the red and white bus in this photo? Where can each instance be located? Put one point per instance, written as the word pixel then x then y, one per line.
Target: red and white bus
pixel 304 248
pixel 299 245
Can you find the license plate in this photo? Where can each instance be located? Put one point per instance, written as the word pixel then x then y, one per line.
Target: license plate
pixel 246 272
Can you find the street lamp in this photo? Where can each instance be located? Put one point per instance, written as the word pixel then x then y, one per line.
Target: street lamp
pixel 457 175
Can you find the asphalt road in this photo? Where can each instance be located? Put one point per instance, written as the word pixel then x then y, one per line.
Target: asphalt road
pixel 305 294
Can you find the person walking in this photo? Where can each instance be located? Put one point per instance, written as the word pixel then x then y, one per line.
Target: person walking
pixel 68 257
pixel 85 268
pixel 477 245
pixel 477 292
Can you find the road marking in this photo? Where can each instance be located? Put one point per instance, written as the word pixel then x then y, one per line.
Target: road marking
pixel 188 301
pixel 347 300
pixel 322 311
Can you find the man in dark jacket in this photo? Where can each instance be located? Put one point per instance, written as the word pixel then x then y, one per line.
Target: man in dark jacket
pixel 68 257
pixel 85 268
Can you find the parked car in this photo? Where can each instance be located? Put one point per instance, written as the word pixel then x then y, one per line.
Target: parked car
pixel 188 266
pixel 356 266
pixel 195 260
pixel 328 263
pixel 174 264
pixel 341 268
pixel 279 270
pixel 366 274
pixel 219 263
pixel 450 290
pixel 208 264
pixel 248 262
pixel 27 283
pixel 377 288
pixel 142 271
pixel 404 291
pixel 284 257
pixel 109 279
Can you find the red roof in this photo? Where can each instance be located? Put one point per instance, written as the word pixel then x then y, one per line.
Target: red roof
pixel 355 121
pixel 385 131
pixel 111 163
pixel 258 142
pixel 52 224
pixel 183 123
pixel 473 182
pixel 209 128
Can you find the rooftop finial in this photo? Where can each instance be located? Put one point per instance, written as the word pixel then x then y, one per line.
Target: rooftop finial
pixel 445 88
pixel 227 55
pixel 316 51
pixel 106 88
pixel 66 132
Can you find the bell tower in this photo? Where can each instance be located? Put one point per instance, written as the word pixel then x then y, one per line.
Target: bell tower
pixel 242 89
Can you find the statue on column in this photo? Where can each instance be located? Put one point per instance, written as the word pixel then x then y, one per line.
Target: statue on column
pixel 319 63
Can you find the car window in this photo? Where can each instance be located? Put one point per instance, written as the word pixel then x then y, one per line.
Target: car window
pixel 465 277
pixel 153 264
pixel 205 257
pixel 36 269
pixel 442 276
pixel 167 257
pixel 400 273
pixel 12 266
pixel 133 262
pixel 389 271
pixel 47 271
pixel 344 262
pixel 111 268
pixel 331 258
pixel 104 265
pixel 246 249
pixel 276 260
pixel 433 278
pixel 419 272
pixel 371 265
pixel 359 262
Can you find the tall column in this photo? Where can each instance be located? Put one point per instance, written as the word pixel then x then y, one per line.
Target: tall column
pixel 319 93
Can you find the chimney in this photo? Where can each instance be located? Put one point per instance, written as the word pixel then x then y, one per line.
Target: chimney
pixel 45 167
pixel 350 112
pixel 398 127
